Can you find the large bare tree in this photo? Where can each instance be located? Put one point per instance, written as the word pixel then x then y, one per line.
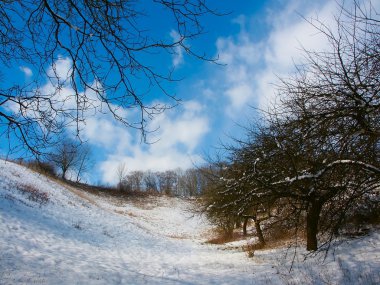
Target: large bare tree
pixel 94 56
pixel 319 149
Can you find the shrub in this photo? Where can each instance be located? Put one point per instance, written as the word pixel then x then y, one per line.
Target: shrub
pixel 42 167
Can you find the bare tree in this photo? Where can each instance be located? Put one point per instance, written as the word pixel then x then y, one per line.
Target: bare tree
pixel 84 161
pixel 189 182
pixel 86 57
pixel 334 99
pixel 150 181
pixel 121 172
pixel 319 149
pixel 69 156
pixel 135 179
pixel 167 181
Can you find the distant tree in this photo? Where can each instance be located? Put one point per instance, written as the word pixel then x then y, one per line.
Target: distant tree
pixel 206 177
pixel 121 172
pixel 135 179
pixel 176 189
pixel 64 157
pixel 167 181
pixel 84 161
pixel 188 182
pixel 150 181
pixel 70 156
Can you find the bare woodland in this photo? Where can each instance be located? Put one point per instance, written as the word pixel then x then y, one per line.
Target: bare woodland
pixel 311 163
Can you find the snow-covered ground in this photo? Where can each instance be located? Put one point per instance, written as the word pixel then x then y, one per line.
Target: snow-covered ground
pixel 51 234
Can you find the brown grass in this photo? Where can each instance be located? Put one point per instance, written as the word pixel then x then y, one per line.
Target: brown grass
pixel 33 193
pixel 222 238
pixel 77 192
pixel 114 195
pixel 131 214
pixel 177 236
pixel 107 192
pixel 119 212
pixel 274 238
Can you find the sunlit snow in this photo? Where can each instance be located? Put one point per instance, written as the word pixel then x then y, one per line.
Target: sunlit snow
pixel 51 234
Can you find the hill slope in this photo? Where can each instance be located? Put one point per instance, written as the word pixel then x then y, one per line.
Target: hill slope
pixel 53 234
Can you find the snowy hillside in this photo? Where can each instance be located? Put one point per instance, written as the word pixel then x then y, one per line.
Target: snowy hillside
pixel 51 234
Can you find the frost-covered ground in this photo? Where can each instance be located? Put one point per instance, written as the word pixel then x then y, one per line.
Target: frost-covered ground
pixel 50 234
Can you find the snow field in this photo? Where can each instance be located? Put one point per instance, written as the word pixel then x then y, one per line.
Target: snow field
pixel 85 239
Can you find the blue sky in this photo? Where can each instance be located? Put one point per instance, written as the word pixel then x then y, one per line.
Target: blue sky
pixel 257 42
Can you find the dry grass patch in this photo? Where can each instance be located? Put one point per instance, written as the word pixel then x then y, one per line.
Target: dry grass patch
pixel 177 236
pixel 33 193
pixel 250 248
pixel 221 238
pixel 132 214
pixel 81 195
pixel 120 212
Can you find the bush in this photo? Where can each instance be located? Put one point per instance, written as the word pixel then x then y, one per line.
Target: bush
pixel 42 167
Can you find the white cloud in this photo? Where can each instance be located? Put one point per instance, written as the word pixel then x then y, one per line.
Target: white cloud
pixel 104 131
pixel 180 132
pixel 239 95
pixel 186 129
pixel 146 161
pixel 253 67
pixel 293 32
pixel 60 99
pixel 240 56
pixel 60 69
pixel 26 70
pixel 177 57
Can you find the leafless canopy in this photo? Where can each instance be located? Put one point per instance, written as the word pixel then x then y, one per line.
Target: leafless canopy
pixel 319 150
pixel 107 45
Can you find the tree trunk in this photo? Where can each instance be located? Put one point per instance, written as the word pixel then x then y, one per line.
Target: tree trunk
pixel 259 232
pixel 245 225
pixel 238 223
pixel 312 220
